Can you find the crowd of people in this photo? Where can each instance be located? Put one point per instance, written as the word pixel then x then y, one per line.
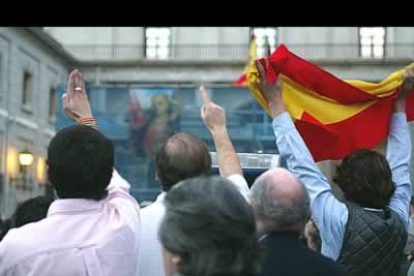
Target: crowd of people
pixel 287 223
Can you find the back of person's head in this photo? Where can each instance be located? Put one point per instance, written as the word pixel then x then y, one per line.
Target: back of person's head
pixel 5 227
pixel 31 210
pixel 210 226
pixel 280 202
pixel 80 163
pixel 365 178
pixel 181 157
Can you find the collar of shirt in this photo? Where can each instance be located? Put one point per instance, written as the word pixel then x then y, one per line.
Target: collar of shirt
pixel 74 205
pixel 161 197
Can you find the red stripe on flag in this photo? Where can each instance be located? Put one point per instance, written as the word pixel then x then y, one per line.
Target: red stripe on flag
pixel 242 81
pixel 365 130
pixel 315 78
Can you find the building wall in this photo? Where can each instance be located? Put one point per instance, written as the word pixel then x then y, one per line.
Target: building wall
pixel 25 128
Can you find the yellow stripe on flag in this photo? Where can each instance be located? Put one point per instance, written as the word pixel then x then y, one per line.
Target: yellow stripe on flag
pixel 299 99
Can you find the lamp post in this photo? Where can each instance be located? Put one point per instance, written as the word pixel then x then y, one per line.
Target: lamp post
pixel 25 160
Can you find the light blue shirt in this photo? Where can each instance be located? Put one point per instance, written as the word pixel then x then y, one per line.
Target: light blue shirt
pixel 331 215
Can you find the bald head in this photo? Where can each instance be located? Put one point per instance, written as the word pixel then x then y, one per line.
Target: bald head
pixel 280 202
pixel 181 157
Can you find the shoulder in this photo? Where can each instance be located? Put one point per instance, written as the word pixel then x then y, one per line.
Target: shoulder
pixel 152 215
pixel 153 209
pixel 21 243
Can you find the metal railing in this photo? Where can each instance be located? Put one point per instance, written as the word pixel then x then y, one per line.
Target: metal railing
pixel 232 52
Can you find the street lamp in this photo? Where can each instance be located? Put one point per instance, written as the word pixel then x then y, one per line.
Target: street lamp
pixel 25 158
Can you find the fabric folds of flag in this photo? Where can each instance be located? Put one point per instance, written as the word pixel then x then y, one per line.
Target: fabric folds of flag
pixel 333 116
pixel 242 81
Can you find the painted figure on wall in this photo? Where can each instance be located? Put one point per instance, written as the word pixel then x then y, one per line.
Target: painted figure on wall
pixel 152 126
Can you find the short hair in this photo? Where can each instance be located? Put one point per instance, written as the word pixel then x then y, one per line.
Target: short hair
pixel 210 225
pixel 365 178
pixel 181 157
pixel 80 161
pixel 276 215
pixel 6 225
pixel 31 210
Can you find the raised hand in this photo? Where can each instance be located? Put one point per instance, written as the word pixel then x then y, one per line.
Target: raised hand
pixel 407 86
pixel 272 92
pixel 408 83
pixel 213 115
pixel 75 100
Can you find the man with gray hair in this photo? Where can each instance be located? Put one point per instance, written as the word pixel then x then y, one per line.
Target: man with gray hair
pixel 281 206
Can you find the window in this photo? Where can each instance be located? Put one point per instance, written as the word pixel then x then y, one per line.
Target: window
pixel 157 42
pixel 27 89
pixel 52 104
pixel 372 42
pixel 266 40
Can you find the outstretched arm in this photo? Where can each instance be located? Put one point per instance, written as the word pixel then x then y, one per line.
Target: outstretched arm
pixel 330 215
pixel 399 152
pixel 77 107
pixel 214 118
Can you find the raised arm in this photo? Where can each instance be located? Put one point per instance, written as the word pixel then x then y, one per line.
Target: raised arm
pixel 75 101
pixel 399 152
pixel 214 117
pixel 330 215
pixel 77 107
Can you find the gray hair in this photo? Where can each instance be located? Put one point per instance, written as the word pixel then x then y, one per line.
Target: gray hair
pixel 210 225
pixel 276 214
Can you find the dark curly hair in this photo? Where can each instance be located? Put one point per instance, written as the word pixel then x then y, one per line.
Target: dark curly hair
pixel 365 178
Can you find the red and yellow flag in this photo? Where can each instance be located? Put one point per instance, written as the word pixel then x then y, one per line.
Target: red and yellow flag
pixel 242 81
pixel 333 116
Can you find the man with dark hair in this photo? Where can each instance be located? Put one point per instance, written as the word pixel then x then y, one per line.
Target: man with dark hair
pixel 282 207
pixel 31 210
pixel 94 155
pixel 181 157
pixel 208 230
pixel 92 228
pixel 368 232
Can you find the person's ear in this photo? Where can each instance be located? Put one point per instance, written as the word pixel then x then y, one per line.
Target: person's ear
pixel 176 260
pixel 47 171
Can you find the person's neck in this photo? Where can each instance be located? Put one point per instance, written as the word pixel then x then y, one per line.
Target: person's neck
pixel 263 230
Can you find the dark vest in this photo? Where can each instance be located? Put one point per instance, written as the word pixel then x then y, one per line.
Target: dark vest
pixel 373 242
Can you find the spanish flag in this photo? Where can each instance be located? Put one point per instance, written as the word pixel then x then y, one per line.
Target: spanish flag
pixel 333 116
pixel 242 81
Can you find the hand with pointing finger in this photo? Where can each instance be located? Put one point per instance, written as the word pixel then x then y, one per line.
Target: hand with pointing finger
pixel 213 115
pixel 75 100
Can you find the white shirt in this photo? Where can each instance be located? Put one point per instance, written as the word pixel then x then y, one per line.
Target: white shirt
pixel 150 259
pixel 79 237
